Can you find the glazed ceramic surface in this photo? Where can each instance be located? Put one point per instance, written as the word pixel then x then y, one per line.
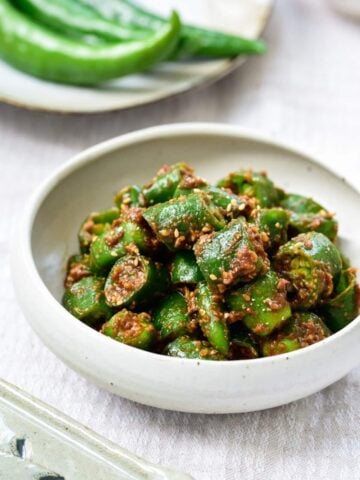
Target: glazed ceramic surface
pixel 245 17
pixel 47 236
pixel 39 443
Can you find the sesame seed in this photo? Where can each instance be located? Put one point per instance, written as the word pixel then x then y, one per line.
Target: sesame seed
pixel 213 277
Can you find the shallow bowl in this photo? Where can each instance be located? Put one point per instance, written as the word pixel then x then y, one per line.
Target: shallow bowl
pixel 47 236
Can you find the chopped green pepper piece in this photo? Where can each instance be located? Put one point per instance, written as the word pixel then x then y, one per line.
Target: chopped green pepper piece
pixel 186 347
pixel 134 280
pixel 86 301
pixel 252 184
pixel 274 223
pixel 211 318
pixel 243 343
pixel 184 269
pixel 171 317
pixel 303 329
pixel 343 307
pixel 233 255
pixel 263 304
pixel 163 186
pixel 308 215
pixel 134 329
pixel 178 223
pixel 78 267
pixel 130 197
pixel 312 264
pixel 130 235
pixel 94 225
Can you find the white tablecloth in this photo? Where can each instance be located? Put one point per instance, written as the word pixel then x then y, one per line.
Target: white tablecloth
pixel 306 91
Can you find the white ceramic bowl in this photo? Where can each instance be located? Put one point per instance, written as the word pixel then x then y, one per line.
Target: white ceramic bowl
pixel 47 236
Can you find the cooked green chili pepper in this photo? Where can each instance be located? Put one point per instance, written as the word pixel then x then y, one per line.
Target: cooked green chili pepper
pixel 262 303
pixel 303 329
pixel 179 222
pixel 134 329
pixel 171 317
pixel 308 215
pixel 130 197
pixel 343 307
pixel 78 20
pixel 233 255
pixel 134 280
pixel 194 41
pixel 186 347
pixel 131 235
pixel 86 301
pixel 312 264
pixel 184 269
pixel 252 184
pixel 211 318
pixel 41 52
pixel 274 223
pixel 94 225
pixel 164 184
pixel 78 267
pixel 243 343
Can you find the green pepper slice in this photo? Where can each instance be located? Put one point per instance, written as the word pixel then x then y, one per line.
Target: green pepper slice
pixel 252 184
pixel 211 318
pixel 343 307
pixel 134 280
pixel 171 317
pixel 179 222
pixel 244 345
pixel 186 347
pixel 94 225
pixel 86 301
pixel 312 264
pixel 263 304
pixel 233 255
pixel 78 267
pixel 302 330
pixel 134 329
pixel 130 197
pixel 184 269
pixel 274 223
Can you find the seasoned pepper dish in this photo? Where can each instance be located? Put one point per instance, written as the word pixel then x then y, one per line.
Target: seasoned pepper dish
pixel 240 270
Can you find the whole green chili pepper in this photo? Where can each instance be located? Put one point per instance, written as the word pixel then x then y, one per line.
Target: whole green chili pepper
pixel 78 20
pixel 134 329
pixel 184 269
pixel 186 347
pixel 134 280
pixel 233 255
pixel 252 184
pixel 179 222
pixel 312 264
pixel 343 307
pixel 262 303
pixel 194 41
pixel 303 329
pixel 211 318
pixel 86 301
pixel 95 224
pixel 308 215
pixel 43 53
pixel 171 317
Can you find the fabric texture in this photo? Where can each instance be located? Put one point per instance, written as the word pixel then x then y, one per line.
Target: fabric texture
pixel 305 91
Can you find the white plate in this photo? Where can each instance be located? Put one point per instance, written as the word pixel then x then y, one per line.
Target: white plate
pixel 242 17
pixel 46 237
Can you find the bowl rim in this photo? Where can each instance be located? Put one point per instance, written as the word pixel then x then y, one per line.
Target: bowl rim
pixel 90 155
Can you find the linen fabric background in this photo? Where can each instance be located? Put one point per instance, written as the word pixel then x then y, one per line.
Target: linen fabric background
pixel 306 90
